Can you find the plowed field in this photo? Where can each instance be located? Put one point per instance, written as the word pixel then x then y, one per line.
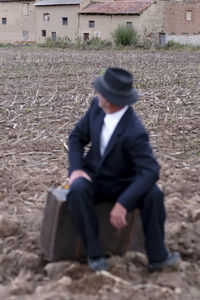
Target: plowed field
pixel 43 92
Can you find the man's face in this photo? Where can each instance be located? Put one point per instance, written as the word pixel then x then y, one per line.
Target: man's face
pixel 103 103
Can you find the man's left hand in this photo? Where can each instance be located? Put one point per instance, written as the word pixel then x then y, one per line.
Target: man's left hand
pixel 118 216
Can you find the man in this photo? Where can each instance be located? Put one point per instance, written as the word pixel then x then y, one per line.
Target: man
pixel 120 167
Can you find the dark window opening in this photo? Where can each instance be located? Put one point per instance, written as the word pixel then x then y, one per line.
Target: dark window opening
pixel 162 38
pixel 86 36
pixel 91 24
pixel 44 33
pixel 129 24
pixel 64 21
pixel 4 21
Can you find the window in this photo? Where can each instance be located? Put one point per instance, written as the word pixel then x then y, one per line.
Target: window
pixel 92 24
pixel 64 21
pixel 4 21
pixel 44 33
pixel 25 10
pixel 46 17
pixel 53 36
pixel 189 15
pixel 129 24
pixel 25 35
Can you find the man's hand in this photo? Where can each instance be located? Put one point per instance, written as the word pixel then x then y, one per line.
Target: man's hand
pixel 118 216
pixel 77 174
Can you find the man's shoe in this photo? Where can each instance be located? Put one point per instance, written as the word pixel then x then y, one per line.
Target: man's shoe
pixel 98 264
pixel 172 261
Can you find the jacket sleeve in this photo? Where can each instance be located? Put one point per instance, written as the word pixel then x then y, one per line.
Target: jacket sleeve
pixel 146 170
pixel 78 139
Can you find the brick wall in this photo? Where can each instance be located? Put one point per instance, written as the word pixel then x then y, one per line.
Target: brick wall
pixel 176 14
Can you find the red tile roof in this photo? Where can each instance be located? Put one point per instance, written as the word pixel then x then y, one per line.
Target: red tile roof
pixel 117 7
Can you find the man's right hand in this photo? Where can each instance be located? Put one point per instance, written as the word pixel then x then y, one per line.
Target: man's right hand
pixel 77 174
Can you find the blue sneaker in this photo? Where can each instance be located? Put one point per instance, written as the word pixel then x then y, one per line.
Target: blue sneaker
pixel 172 261
pixel 98 264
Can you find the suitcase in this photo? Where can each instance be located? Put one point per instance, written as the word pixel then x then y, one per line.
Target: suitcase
pixel 59 239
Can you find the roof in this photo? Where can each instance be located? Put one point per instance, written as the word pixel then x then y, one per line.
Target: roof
pixel 57 2
pixel 122 7
pixel 4 1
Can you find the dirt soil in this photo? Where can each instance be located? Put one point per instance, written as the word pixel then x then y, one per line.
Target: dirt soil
pixel 42 94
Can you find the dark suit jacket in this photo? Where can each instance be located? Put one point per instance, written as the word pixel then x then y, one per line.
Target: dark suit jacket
pixel 127 167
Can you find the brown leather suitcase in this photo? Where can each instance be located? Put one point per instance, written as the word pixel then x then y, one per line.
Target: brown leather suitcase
pixel 59 239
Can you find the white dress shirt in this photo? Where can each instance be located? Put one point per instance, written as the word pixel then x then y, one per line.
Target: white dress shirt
pixel 109 125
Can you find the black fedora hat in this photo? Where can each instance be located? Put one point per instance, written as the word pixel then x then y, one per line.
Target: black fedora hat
pixel 116 86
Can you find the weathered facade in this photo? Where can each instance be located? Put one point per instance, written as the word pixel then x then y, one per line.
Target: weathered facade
pixel 57 18
pixel 155 20
pixel 182 21
pixel 17 21
pixel 102 18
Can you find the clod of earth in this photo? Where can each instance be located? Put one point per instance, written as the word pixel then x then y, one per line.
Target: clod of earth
pixel 8 227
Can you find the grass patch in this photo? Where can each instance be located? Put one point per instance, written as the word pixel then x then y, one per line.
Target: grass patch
pixel 63 43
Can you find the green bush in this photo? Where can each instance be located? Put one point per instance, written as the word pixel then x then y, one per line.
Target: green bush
pixel 78 43
pixel 98 44
pixel 125 36
pixel 5 45
pixel 94 43
pixel 64 42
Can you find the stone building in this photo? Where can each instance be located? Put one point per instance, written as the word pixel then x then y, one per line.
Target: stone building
pixel 102 18
pixel 17 21
pixel 57 18
pixel 157 21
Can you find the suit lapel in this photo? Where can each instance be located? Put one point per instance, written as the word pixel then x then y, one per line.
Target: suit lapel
pixel 97 129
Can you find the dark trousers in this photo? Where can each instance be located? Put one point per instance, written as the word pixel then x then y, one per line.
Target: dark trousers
pixel 84 195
